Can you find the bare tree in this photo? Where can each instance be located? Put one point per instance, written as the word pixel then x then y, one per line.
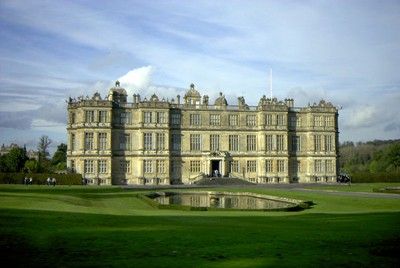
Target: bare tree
pixel 43 146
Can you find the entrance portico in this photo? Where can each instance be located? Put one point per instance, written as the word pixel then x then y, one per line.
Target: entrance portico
pixel 216 169
pixel 216 161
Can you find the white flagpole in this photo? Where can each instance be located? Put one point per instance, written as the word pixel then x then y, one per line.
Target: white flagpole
pixel 270 82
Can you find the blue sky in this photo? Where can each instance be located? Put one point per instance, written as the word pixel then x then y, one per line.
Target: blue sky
pixel 347 52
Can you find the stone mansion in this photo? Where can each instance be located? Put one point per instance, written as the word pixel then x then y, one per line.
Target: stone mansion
pixel 158 141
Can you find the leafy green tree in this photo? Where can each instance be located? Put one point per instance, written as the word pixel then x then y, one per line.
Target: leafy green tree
pixel 3 163
pixel 394 156
pixel 60 155
pixel 59 159
pixel 32 166
pixel 14 161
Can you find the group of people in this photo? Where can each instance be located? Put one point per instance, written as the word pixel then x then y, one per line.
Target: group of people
pixel 28 181
pixel 51 181
pixel 343 178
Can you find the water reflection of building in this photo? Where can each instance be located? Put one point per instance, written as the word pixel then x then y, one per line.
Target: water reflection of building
pixel 221 201
pixel 161 141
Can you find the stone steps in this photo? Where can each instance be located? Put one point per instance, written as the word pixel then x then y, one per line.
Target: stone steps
pixel 222 181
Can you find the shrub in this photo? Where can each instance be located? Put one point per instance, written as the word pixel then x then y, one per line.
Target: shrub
pixel 40 178
pixel 359 177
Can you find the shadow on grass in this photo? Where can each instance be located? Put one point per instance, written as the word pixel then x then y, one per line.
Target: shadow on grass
pixel 56 239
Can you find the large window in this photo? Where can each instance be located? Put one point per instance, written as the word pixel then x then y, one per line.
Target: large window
pixel 298 121
pixel 269 143
pixel 102 141
pixel 317 143
pixel 233 142
pixel 251 143
pixel 195 142
pixel 148 141
pixel 251 120
pixel 233 119
pixel 161 118
pixel 125 166
pixel 125 117
pixel 148 166
pixel 280 118
pixel 103 116
pixel 268 119
pixel 89 166
pixel 160 166
pixel 194 166
pixel 235 166
pixel 295 166
pixel 215 119
pixel 72 118
pixel 73 141
pixel 292 121
pixel 318 121
pixel 214 142
pixel 125 142
pixel 102 166
pixel 281 165
pixel 195 120
pixel 160 139
pixel 328 143
pixel 176 142
pixel 280 142
pixel 89 116
pixel 296 144
pixel 251 166
pixel 329 121
pixel 329 166
pixel 318 168
pixel 175 119
pixel 147 117
pixel 268 165
pixel 88 141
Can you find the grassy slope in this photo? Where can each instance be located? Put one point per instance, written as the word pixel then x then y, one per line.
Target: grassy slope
pixel 110 227
pixel 357 187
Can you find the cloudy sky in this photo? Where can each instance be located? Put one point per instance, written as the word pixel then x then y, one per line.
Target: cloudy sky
pixel 347 52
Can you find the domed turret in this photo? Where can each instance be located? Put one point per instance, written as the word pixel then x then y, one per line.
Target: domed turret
pixel 221 101
pixel 192 96
pixel 117 93
pixel 192 93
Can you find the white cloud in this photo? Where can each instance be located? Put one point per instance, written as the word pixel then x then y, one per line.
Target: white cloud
pixel 362 116
pixel 136 79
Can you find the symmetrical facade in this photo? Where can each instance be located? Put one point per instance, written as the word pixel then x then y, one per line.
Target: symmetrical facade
pixel 158 141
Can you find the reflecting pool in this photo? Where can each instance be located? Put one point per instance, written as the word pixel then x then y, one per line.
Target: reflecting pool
pixel 242 201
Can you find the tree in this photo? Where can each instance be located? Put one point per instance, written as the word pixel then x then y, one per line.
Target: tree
pixel 43 146
pixel 32 166
pixel 14 160
pixel 60 157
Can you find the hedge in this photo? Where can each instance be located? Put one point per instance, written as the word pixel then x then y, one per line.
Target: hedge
pixel 375 177
pixel 40 178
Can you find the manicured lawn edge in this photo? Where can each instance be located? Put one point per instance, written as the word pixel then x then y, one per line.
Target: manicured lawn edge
pixel 298 204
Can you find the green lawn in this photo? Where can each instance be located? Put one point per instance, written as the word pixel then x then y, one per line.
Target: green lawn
pixel 66 226
pixel 356 187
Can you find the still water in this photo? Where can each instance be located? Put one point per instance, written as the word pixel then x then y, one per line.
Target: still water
pixel 221 200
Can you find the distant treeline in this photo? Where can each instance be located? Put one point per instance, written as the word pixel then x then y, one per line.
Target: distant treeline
pixel 371 161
